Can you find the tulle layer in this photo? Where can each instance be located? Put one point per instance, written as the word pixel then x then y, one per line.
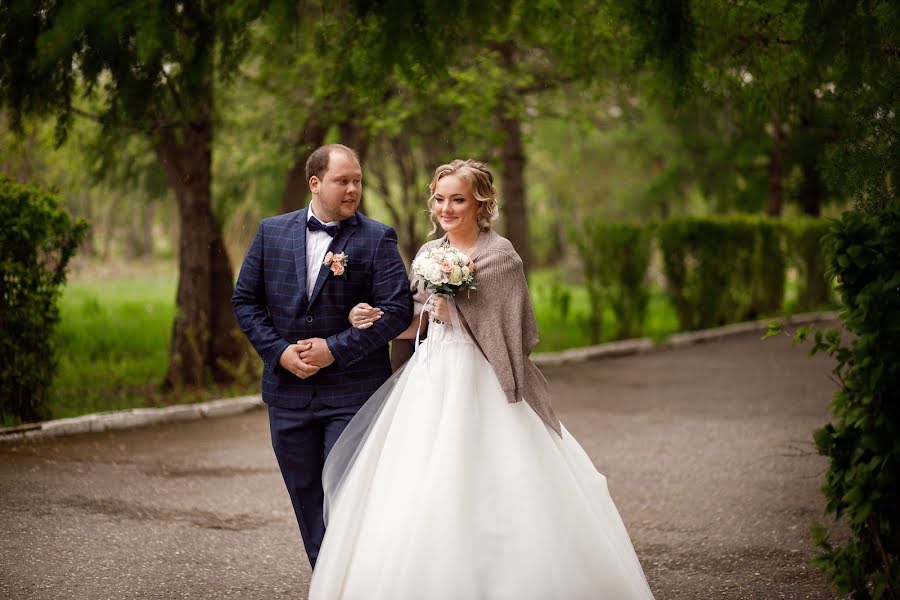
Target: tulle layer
pixel 441 489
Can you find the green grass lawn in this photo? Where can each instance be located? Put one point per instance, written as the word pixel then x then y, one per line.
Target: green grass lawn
pixel 112 343
pixel 563 323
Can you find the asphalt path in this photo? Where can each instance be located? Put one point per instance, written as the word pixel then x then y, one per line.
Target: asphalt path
pixel 707 450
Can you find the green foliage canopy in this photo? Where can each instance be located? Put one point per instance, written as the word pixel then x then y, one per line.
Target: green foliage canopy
pixel 826 72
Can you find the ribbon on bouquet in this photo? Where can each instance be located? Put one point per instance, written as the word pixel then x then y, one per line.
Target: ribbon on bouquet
pixel 454 317
pixel 421 316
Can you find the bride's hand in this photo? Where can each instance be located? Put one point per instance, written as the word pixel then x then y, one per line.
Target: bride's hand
pixel 439 309
pixel 362 315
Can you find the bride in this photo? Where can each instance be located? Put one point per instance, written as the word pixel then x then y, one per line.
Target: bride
pixel 446 485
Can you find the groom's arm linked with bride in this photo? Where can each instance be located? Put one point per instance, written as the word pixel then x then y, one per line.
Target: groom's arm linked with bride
pixel 302 274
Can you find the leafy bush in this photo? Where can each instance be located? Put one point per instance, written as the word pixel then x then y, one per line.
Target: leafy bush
pixel 863 440
pixel 615 257
pixel 37 239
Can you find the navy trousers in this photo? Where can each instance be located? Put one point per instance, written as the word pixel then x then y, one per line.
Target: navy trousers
pixel 302 440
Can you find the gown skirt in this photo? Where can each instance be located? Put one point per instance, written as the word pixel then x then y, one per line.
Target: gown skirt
pixel 440 489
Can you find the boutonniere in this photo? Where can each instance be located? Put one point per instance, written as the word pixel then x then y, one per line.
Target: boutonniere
pixel 337 263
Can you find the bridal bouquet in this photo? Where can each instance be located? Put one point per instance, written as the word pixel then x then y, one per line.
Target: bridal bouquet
pixel 444 270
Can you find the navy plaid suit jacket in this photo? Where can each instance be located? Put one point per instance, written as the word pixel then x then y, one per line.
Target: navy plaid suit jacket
pixel 271 306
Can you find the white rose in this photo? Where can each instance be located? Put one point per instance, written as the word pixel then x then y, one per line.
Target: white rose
pixel 435 275
pixel 456 276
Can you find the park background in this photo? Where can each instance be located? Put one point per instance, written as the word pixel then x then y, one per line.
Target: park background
pixel 661 166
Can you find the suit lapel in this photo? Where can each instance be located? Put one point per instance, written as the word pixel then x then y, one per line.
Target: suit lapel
pixel 348 228
pixel 299 243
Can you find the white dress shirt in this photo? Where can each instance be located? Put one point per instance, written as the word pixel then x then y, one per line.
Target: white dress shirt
pixel 317 243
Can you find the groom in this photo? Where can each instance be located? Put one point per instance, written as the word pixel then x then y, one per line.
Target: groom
pixel 292 300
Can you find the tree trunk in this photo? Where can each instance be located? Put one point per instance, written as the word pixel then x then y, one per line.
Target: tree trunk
pixel 775 199
pixel 134 247
pixel 107 227
pixel 513 159
pixel 206 340
pixel 147 230
pixel 410 194
pixel 811 190
pixel 355 136
pixel 87 247
pixel 392 157
pixel 296 189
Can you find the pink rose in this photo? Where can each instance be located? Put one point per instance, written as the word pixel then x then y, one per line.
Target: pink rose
pixel 328 258
pixel 337 268
pixel 339 257
pixel 446 266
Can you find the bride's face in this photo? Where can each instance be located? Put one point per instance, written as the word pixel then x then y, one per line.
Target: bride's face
pixel 455 206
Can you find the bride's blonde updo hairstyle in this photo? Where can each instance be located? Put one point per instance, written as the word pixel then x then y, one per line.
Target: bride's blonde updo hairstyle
pixel 481 182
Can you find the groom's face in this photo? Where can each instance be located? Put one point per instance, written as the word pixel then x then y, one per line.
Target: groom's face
pixel 337 194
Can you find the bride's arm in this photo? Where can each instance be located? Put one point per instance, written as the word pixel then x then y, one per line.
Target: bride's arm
pixel 410 332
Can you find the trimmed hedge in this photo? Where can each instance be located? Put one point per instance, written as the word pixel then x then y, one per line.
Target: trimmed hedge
pixel 770 261
pixel 37 239
pixel 615 258
pixel 707 263
pixel 723 270
pixel 718 270
pixel 805 239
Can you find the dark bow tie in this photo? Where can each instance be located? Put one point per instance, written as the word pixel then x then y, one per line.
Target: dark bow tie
pixel 313 224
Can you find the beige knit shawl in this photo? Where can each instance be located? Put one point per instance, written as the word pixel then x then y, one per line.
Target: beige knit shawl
pixel 500 318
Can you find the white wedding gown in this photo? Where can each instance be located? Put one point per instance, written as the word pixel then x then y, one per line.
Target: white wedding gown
pixel 441 489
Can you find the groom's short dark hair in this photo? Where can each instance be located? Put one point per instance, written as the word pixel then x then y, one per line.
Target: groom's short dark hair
pixel 317 163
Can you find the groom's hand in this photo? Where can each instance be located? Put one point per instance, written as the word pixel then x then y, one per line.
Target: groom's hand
pixel 316 352
pixel 291 361
pixel 363 316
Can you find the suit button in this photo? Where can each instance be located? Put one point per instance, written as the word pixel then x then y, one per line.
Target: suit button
pixel 309 319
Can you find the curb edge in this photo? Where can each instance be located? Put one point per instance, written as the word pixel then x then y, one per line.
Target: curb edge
pixel 130 418
pixel 676 340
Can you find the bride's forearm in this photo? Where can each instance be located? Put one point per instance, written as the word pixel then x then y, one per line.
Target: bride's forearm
pixel 410 332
